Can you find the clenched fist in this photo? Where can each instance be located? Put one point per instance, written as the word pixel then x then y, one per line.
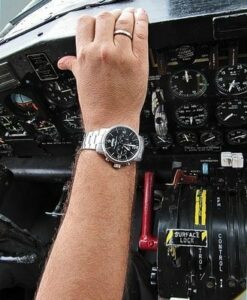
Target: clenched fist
pixel 111 70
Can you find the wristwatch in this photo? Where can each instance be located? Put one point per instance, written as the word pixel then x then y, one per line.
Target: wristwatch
pixel 120 144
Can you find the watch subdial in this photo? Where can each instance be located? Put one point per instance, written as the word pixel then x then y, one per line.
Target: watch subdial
pixel 186 138
pixel 191 115
pixel 121 144
pixel 232 80
pixel 163 142
pixel 211 138
pixel 62 92
pixel 232 112
pixel 46 130
pixel 237 137
pixel 72 121
pixel 188 84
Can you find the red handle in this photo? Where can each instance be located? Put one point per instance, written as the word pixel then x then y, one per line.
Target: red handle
pixel 147 241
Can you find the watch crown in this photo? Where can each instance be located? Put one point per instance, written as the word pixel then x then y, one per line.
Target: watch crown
pixel 117 166
pixel 107 159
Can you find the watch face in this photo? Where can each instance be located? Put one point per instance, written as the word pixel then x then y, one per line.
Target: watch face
pixel 121 144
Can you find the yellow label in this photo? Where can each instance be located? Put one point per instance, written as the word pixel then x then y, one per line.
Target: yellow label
pixel 169 236
pixel 200 207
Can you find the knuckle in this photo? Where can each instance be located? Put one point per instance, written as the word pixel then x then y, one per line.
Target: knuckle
pixel 84 20
pixel 104 15
pixel 122 23
pixel 141 35
pixel 81 55
pixel 104 53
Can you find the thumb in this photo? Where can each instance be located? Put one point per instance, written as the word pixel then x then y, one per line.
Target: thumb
pixel 66 63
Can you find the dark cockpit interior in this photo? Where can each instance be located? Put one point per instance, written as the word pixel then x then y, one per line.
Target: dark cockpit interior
pixel 189 229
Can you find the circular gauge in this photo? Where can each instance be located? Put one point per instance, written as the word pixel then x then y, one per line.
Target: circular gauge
pixel 237 137
pixel 232 113
pixel 46 129
pixel 191 115
pixel 11 126
pixel 211 138
pixel 72 120
pixel 188 84
pixel 63 92
pixel 23 105
pixel 163 142
pixel 186 138
pixel 232 80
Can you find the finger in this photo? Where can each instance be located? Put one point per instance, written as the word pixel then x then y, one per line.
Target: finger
pixel 66 63
pixel 85 30
pixel 124 22
pixel 140 34
pixel 105 24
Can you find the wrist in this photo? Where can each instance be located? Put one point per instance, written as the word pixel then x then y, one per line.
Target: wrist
pixel 97 124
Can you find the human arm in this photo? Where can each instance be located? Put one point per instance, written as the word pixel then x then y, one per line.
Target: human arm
pixel 89 256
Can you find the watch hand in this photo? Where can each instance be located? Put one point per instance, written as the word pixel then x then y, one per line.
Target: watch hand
pixel 161 139
pixel 127 148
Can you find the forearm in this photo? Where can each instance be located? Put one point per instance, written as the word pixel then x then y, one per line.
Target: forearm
pixel 95 233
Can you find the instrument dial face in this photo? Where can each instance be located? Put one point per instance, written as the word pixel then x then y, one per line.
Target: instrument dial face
pixel 188 84
pixel 232 113
pixel 121 144
pixel 237 137
pixel 191 115
pixel 72 120
pixel 186 138
pixel 46 129
pixel 62 92
pixel 11 126
pixel 163 142
pixel 211 138
pixel 232 80
pixel 24 105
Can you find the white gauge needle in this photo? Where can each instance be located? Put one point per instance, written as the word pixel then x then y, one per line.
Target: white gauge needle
pixel 242 136
pixel 58 86
pixel 232 84
pixel 228 117
pixel 161 139
pixel 186 76
pixel 185 136
pixel 191 120
pixel 210 139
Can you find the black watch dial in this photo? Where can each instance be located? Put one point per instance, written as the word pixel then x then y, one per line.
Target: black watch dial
pixel 121 144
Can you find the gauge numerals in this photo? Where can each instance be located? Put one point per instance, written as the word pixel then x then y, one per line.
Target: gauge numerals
pixel 232 80
pixel 188 84
pixel 72 121
pixel 191 115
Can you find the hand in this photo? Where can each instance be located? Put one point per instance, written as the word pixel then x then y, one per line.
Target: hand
pixel 111 71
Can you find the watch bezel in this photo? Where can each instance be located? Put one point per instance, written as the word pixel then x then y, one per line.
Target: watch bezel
pixel 137 155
